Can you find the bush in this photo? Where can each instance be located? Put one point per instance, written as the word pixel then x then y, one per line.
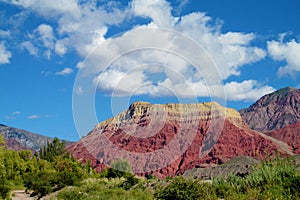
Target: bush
pixel 98 190
pixel 276 179
pixel 4 190
pixel 130 181
pixel 42 183
pixel 185 189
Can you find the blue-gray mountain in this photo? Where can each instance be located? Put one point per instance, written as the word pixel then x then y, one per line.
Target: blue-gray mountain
pixel 18 139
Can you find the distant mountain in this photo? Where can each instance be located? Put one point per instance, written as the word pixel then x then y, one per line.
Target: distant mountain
pixel 144 131
pixel 274 111
pixel 18 139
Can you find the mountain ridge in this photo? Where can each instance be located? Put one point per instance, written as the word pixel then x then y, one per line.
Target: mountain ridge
pixel 19 139
pixel 274 111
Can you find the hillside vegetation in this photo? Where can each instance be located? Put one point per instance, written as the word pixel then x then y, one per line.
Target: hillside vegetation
pixel 49 170
pixel 54 170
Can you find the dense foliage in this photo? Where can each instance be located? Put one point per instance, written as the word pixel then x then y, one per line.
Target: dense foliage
pixel 276 179
pixel 44 172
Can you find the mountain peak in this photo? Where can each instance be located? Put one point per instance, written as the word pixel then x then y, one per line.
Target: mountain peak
pixel 285 91
pixel 274 111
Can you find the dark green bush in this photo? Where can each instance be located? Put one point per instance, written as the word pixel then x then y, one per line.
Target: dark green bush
pixel 130 181
pixel 185 189
pixel 4 190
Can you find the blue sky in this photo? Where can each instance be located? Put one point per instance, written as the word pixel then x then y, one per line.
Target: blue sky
pixel 54 53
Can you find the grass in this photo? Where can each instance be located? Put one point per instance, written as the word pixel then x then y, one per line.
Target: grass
pixel 104 189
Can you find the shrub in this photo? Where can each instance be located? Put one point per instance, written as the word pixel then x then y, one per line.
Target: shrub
pixel 41 183
pixel 275 179
pixel 4 190
pixel 130 181
pixel 185 189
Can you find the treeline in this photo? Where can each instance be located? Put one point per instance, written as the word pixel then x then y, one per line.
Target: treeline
pixel 48 170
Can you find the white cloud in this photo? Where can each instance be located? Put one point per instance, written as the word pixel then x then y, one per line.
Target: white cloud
pixel 52 8
pixel 32 50
pixel 60 47
pixel 249 90
pixel 159 11
pixel 229 51
pixel 65 71
pixel 288 52
pixel 5 34
pixel 80 25
pixel 83 25
pixel 47 54
pixel 13 115
pixel 45 35
pixel 178 9
pixel 16 113
pixel 33 117
pixel 5 55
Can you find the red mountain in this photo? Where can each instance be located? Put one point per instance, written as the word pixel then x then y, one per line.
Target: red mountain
pixel 274 111
pixel 277 115
pixel 289 134
pixel 167 139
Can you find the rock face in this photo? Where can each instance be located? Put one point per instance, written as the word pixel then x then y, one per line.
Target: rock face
pixel 18 139
pixel 239 166
pixel 168 139
pixel 289 134
pixel 274 111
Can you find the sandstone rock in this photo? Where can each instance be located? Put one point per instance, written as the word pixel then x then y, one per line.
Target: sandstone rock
pixel 168 139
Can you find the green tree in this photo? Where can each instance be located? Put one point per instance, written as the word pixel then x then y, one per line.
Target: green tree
pixel 2 156
pixel 53 149
pixel 122 165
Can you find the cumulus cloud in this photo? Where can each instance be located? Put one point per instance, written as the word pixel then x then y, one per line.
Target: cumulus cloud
pixel 49 9
pixel 159 11
pixel 65 71
pixel 32 50
pixel 228 51
pixel 60 47
pixel 5 55
pixel 45 35
pixel 249 90
pixel 287 52
pixel 83 26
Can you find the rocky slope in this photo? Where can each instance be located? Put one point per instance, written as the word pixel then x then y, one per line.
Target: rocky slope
pixel 239 166
pixel 274 111
pixel 18 139
pixel 168 139
pixel 289 134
